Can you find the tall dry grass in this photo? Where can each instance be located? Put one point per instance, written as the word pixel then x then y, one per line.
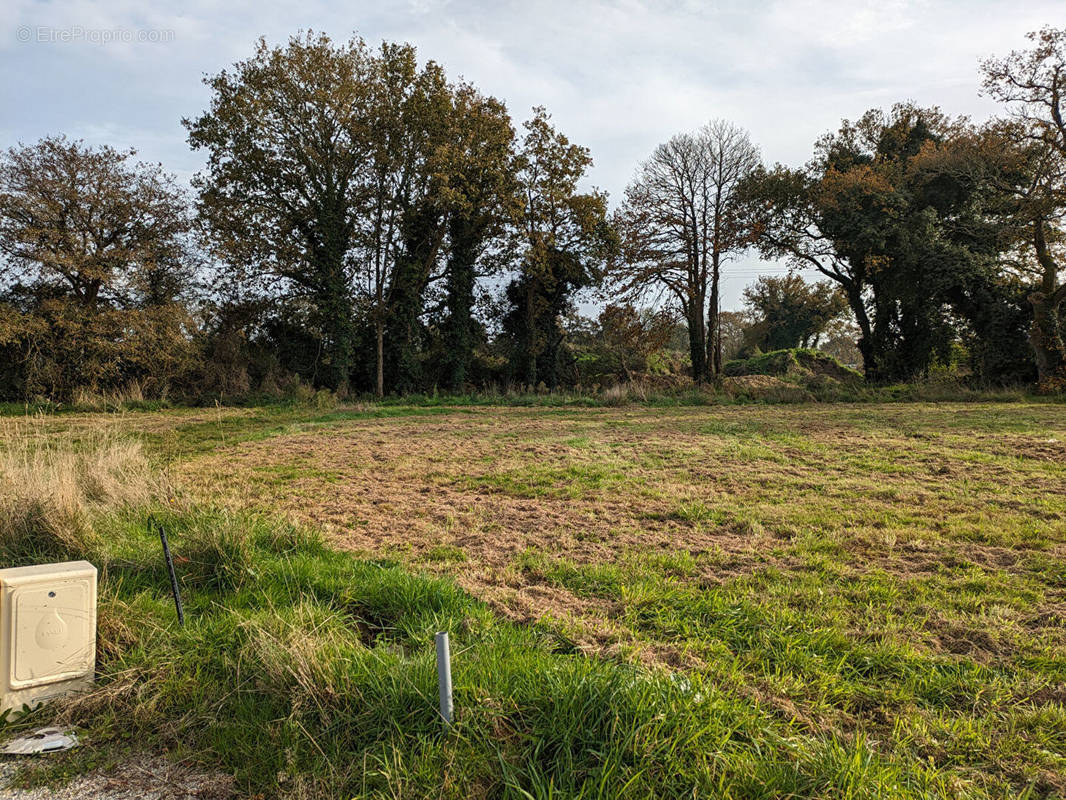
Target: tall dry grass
pixel 132 394
pixel 51 487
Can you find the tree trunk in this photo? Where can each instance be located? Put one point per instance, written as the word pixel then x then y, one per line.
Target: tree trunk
pixel 865 343
pixel 335 316
pixel 697 341
pixel 1045 338
pixel 1045 335
pixel 714 344
pixel 458 327
pixel 718 344
pixel 714 355
pixel 380 329
pixel 334 303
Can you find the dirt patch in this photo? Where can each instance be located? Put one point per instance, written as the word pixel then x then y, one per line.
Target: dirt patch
pixel 407 489
pixel 146 778
pixel 394 498
pixel 1040 448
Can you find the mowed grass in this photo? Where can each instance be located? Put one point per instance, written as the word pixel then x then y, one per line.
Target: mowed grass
pixel 809 601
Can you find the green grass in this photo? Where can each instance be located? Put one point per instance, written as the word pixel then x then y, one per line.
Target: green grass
pixel 301 669
pixel 789 601
pixel 861 654
pixel 571 480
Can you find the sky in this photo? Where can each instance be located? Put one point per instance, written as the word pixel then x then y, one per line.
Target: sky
pixel 618 77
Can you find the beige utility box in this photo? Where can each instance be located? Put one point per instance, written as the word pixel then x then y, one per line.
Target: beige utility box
pixel 47 631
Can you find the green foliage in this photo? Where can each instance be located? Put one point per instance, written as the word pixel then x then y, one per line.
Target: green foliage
pixel 1033 83
pixel 487 200
pixel 788 312
pixel 779 362
pixel 622 345
pixel 565 241
pixel 355 201
pixel 58 348
pixel 900 210
pixel 286 139
pixel 795 362
pixel 91 224
pixel 94 269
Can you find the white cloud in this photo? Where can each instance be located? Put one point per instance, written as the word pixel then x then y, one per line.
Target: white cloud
pixel 618 76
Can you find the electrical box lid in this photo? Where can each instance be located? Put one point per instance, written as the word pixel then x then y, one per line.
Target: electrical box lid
pixel 18 576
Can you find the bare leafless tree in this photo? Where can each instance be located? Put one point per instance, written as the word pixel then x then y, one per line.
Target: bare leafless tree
pixel 679 223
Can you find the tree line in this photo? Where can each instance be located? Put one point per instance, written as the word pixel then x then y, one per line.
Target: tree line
pixel 363 223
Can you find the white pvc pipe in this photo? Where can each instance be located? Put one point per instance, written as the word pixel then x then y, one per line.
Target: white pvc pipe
pixel 444 677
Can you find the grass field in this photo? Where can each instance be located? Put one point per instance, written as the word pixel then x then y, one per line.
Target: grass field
pixel 739 601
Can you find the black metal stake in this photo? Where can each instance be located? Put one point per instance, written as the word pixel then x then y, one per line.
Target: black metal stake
pixel 173 578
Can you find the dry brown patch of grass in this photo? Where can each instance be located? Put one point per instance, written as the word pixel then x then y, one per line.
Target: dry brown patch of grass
pixel 50 487
pixel 405 487
pixel 737 488
pixel 410 484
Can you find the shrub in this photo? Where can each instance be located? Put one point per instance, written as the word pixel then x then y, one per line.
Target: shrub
pixel 795 362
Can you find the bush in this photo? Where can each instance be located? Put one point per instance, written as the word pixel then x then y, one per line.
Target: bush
pixel 795 362
pixel 63 351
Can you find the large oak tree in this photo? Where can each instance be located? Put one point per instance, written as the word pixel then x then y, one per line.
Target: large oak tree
pixel 899 210
pixel 485 200
pixel 349 180
pixel 94 259
pixel 92 223
pixel 290 140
